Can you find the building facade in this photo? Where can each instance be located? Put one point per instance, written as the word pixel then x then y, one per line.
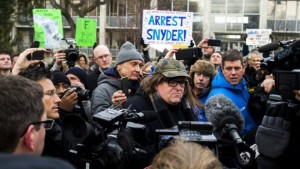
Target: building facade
pixel 226 20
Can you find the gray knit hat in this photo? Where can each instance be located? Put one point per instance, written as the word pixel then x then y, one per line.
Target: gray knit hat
pixel 128 52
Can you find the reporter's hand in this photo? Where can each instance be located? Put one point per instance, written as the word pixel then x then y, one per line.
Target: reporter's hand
pixel 171 53
pixel 69 100
pixel 23 63
pixel 268 84
pixel 203 43
pixel 118 98
pixel 60 56
pixel 297 95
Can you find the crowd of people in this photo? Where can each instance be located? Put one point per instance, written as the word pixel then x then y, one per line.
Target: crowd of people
pixel 36 96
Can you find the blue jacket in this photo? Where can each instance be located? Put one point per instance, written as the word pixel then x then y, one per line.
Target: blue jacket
pixel 238 94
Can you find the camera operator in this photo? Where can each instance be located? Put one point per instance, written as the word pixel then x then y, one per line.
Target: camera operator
pixel 168 93
pixel 70 101
pixel 109 93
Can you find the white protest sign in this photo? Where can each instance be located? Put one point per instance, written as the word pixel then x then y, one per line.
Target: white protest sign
pixel 167 27
pixel 258 37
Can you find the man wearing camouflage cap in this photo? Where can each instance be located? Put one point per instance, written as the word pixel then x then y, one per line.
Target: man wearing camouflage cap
pixel 167 92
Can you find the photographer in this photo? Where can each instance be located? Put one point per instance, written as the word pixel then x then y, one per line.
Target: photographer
pixel 108 93
pixel 168 93
pixel 70 101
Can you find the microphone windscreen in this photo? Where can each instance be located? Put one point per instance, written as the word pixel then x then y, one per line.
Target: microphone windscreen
pixel 269 47
pixel 220 109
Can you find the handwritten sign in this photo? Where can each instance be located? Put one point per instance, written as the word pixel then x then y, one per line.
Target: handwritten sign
pixel 48 28
pixel 85 32
pixel 167 27
pixel 258 37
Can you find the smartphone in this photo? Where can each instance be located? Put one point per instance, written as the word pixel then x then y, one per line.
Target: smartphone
pixel 188 53
pixel 213 42
pixel 124 85
pixel 38 55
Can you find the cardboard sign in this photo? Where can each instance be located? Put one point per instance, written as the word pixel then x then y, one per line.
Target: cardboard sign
pixel 48 29
pixel 258 37
pixel 167 27
pixel 86 32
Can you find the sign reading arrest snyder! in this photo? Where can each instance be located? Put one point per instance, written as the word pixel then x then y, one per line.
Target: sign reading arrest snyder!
pixel 167 27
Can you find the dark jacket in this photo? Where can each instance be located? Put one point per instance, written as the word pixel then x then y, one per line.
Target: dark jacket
pixel 102 95
pixel 167 117
pixel 92 79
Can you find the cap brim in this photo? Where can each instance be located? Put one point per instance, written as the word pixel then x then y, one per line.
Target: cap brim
pixel 175 74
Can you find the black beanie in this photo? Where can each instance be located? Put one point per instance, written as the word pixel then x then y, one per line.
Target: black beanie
pixel 59 77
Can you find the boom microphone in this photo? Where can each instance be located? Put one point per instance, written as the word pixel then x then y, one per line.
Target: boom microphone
pixel 269 47
pixel 273 46
pixel 225 117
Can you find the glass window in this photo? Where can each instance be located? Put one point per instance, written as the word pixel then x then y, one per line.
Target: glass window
pixel 252 6
pixel 290 25
pixel 180 5
pixel 234 26
pixel 217 6
pixel 298 25
pixel 234 6
pixel 217 22
pixel 253 22
pixel 280 10
pixel 164 5
pixel 196 6
pixel 292 10
pixel 279 25
pixel 270 24
pixel 271 9
pixel 94 11
pixel 122 8
pixel 298 14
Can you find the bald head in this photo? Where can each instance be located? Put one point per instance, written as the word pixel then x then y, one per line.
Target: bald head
pixel 102 56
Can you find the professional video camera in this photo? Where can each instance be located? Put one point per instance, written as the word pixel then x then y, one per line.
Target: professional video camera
pixel 72 52
pixel 199 132
pixel 285 66
pixel 106 143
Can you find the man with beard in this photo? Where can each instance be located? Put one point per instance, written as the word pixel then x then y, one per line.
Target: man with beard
pixel 206 50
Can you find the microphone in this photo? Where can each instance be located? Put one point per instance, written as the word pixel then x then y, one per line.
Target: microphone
pixel 273 46
pixel 225 117
pixel 269 47
pixel 228 121
pixel 141 117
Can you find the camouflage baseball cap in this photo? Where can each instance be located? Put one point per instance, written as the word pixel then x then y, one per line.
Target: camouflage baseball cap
pixel 170 68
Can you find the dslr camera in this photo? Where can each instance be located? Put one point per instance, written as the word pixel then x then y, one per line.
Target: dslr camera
pixel 83 94
pixel 72 52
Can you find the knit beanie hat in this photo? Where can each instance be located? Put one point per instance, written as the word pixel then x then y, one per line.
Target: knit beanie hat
pixel 78 72
pixel 128 52
pixel 59 77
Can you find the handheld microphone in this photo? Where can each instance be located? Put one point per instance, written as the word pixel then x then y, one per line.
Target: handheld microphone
pixel 225 117
pixel 228 121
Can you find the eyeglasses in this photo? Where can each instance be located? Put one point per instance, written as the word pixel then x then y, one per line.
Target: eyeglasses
pixel 48 124
pixel 102 56
pixel 174 83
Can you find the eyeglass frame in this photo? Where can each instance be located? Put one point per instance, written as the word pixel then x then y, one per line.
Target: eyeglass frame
pixel 102 56
pixel 182 83
pixel 51 121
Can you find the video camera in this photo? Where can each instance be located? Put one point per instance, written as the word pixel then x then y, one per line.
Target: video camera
pixel 107 141
pixel 285 67
pixel 194 131
pixel 72 52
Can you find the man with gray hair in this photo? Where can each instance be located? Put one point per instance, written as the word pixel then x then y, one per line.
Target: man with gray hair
pixel 108 92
